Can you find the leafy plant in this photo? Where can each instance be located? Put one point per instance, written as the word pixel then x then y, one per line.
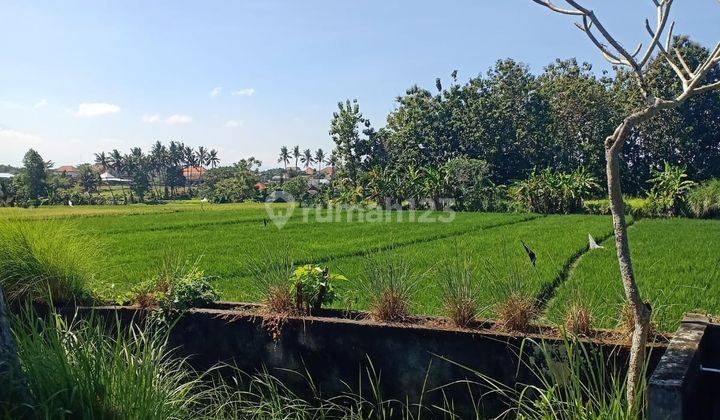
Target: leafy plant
pixel 704 199
pixel 669 191
pixel 312 286
pixel 555 192
pixel 175 288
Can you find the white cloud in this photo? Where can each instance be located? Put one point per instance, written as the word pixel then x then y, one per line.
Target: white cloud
pixel 233 123
pixel 96 109
pixel 9 136
pixel 244 92
pixel 215 92
pixel 42 103
pixel 178 119
pixel 147 118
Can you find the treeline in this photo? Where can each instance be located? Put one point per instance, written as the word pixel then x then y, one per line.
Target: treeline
pixel 518 122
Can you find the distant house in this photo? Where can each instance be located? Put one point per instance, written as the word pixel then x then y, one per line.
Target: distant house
pixel 309 171
pixel 112 179
pixel 328 171
pixel 194 174
pixel 68 170
pixel 5 175
pixel 260 186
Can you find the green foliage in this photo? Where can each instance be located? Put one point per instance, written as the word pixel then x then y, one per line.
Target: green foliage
pixel 555 192
pixel 175 288
pixel 704 199
pixel 231 184
pixel 313 287
pixel 460 291
pixel 576 381
pixel 390 283
pixel 297 187
pixel 84 369
pixel 670 187
pixel 46 262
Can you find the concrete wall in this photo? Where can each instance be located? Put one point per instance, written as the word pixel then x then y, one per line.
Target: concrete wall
pixel 682 386
pixel 339 352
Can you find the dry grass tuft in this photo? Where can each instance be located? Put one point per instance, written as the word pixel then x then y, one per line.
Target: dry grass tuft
pixel 517 312
pixel 461 311
pixel 578 319
pixel 626 323
pixel 390 306
pixel 278 299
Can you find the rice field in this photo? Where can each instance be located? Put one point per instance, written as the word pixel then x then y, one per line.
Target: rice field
pixel 676 261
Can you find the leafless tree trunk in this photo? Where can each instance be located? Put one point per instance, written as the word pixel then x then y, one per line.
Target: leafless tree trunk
pixel 692 82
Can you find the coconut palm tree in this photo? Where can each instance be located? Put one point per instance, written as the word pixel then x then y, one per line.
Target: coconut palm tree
pixel 284 158
pixel 296 154
pixel 159 165
pixel 319 157
pixel 213 159
pixel 307 158
pixel 117 164
pixel 202 155
pixel 104 161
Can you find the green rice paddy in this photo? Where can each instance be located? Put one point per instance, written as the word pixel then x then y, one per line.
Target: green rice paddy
pixel 676 261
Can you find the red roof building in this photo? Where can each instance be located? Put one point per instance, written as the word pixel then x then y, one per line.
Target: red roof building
pixel 194 174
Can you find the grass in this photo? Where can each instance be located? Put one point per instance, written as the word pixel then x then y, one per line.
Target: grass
pixel 675 261
pixel 677 265
pixel 49 261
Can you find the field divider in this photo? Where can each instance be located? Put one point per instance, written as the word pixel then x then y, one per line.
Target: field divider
pixel 547 293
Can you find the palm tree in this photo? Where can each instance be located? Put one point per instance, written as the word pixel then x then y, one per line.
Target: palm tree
pixel 202 155
pixel 296 154
pixel 117 164
pixel 158 164
pixel 284 158
pixel 307 158
pixel 332 161
pixel 213 159
pixel 104 161
pixel 319 157
pixel 190 161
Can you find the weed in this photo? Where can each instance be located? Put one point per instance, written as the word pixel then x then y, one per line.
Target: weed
pixel 578 319
pixel 391 283
pixel 460 302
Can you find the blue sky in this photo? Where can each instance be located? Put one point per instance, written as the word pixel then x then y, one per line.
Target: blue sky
pixel 246 77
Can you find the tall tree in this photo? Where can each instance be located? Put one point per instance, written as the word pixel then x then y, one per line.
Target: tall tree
pixel 296 155
pixel 346 128
pixel 33 176
pixel 213 158
pixel 693 79
pixel 319 158
pixel 285 159
pixel 307 158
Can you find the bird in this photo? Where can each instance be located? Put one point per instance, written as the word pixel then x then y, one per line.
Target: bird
pixel 592 244
pixel 204 200
pixel 265 222
pixel 70 203
pixel 529 253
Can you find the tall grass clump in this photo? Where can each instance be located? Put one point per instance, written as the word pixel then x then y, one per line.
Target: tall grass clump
pixel 578 318
pixel 85 370
pixel 271 274
pixel 516 307
pixel 391 284
pixel 572 381
pixel 704 199
pixel 460 291
pixel 43 261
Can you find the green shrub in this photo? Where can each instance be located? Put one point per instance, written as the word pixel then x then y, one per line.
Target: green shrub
pixel 704 200
pixel 85 370
pixel 549 192
pixel 175 288
pixel 44 261
pixel 313 287
pixel 270 275
pixel 669 191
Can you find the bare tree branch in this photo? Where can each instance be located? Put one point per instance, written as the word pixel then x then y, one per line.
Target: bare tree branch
pixel 554 8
